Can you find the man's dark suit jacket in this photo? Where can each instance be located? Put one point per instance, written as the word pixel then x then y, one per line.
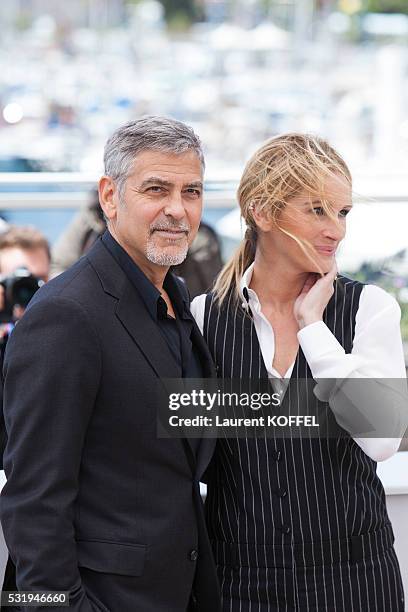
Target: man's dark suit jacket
pixel 95 503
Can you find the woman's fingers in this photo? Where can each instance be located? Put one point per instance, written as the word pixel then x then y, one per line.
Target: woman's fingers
pixel 309 282
pixel 314 297
pixel 331 275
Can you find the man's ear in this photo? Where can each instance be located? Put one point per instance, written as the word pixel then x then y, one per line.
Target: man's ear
pixel 108 197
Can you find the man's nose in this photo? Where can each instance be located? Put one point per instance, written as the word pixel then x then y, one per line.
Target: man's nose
pixel 175 206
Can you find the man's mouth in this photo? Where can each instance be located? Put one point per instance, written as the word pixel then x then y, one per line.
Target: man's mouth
pixel 172 233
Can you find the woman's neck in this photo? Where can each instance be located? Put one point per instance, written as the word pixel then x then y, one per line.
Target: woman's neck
pixel 276 282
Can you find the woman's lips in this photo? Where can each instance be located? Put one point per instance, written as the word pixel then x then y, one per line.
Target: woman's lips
pixel 325 250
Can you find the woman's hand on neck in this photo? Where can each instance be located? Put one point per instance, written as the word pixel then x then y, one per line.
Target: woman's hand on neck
pixel 314 297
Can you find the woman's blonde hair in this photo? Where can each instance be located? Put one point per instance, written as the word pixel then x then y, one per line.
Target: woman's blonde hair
pixel 283 167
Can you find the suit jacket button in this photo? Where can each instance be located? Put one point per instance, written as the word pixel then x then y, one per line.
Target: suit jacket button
pixel 194 555
pixel 277 455
pixel 281 492
pixel 285 529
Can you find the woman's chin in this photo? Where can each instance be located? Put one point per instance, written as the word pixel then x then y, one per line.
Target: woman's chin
pixel 324 268
pixel 326 264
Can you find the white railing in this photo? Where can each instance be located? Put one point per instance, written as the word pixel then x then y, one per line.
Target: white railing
pixel 28 190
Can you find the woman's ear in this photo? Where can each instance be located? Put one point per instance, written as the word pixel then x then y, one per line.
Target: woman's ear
pixel 262 221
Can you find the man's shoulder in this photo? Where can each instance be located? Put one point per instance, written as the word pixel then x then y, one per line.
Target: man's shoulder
pixel 85 282
pixel 68 308
pixel 74 283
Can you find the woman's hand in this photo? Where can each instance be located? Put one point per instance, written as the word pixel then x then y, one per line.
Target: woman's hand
pixel 314 297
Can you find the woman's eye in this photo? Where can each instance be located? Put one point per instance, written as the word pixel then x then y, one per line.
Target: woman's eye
pixel 318 210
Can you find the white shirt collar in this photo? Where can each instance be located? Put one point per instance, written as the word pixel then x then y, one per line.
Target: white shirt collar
pixel 246 279
pixel 253 299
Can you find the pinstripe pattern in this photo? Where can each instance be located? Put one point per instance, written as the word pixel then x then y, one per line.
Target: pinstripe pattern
pixel 296 524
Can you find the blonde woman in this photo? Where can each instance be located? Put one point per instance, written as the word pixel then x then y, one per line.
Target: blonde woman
pixel 300 524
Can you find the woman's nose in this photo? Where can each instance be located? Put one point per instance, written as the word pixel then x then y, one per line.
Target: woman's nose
pixel 334 229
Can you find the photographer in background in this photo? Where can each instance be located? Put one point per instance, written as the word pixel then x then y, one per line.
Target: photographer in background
pixel 24 267
pixel 25 247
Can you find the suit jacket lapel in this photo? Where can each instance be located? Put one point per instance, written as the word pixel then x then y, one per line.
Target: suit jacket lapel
pixel 147 336
pixel 134 316
pixel 132 313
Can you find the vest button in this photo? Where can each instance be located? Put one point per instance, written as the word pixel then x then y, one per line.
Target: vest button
pixel 281 492
pixel 277 455
pixel 194 555
pixel 285 529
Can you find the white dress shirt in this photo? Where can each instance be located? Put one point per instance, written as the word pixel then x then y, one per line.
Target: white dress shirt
pixel 377 353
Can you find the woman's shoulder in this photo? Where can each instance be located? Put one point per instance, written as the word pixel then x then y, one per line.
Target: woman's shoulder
pixel 370 294
pixel 198 303
pixel 347 282
pixel 376 299
pixel 197 308
pixel 210 304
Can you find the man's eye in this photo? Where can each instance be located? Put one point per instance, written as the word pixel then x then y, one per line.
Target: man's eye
pixel 194 192
pixel 344 212
pixel 155 189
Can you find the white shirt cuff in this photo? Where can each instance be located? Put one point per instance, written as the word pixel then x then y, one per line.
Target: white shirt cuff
pixel 318 342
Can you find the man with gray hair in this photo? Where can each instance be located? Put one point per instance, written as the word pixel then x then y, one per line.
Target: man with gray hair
pixel 95 504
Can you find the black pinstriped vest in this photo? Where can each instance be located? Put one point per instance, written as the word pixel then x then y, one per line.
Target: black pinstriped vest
pixel 273 492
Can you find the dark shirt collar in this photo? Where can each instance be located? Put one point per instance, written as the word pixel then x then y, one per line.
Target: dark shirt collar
pixel 155 304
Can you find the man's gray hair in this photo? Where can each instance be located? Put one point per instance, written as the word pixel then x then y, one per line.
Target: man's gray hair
pixel 152 133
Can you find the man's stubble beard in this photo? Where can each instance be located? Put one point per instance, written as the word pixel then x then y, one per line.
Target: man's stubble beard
pixel 159 255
